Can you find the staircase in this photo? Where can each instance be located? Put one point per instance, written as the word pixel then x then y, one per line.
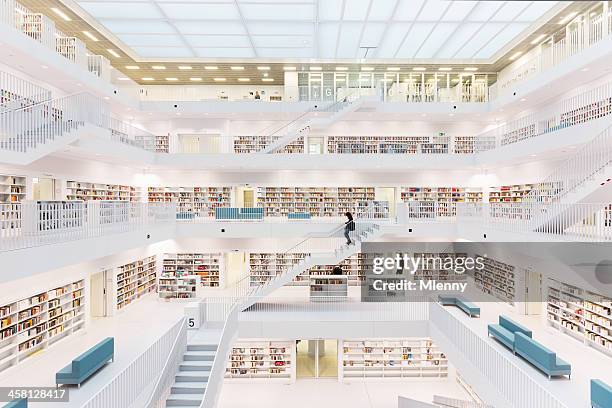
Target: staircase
pixel 192 377
pixel 301 126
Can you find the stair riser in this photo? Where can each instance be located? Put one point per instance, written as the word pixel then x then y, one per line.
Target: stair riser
pixel 183 367
pixel 177 389
pixel 201 347
pixel 179 403
pixel 198 358
pixel 190 378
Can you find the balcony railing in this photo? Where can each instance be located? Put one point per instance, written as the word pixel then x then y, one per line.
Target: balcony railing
pixel 18 93
pixel 41 28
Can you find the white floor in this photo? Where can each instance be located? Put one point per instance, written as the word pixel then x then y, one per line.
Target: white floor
pixel 134 329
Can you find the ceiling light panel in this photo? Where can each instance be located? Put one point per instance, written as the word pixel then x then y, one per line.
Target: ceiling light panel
pixel 145 27
pixel 266 41
pixel 163 52
pixel 126 9
pixel 407 10
pixel 437 38
pixel 217 41
pixel 500 39
pixel 356 10
pixel 381 10
pixel 485 35
pixel 460 37
pixel 211 27
pixel 458 10
pixel 328 32
pixel 510 11
pixel 349 40
pixel 135 40
pixel 196 11
pixel 332 10
pixel 417 35
pixel 536 10
pixel 433 10
pixel 484 10
pixel 278 11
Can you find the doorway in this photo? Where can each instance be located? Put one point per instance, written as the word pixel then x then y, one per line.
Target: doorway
pixel 315 145
pixel 533 292
pixel 43 189
pixel 100 293
pixel 317 358
pixel 248 198
pixel 386 194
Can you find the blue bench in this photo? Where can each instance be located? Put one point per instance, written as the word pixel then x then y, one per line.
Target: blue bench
pixel 601 394
pixel 185 216
pixel 85 365
pixel 18 403
pixel 505 331
pixel 468 307
pixel 255 213
pixel 299 216
pixel 541 357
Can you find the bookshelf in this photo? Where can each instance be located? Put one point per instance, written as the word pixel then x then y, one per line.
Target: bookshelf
pixel 318 201
pixel 78 190
pixel 585 113
pixel 39 321
pixel 264 266
pixel 498 279
pixel 55 215
pixel 135 280
pixel 200 201
pixel 582 314
pixel 162 144
pixel 438 144
pixel 431 202
pixel 252 360
pixel 328 288
pixel 208 266
pixel 254 144
pixel 418 358
pixel 432 270
pixel 12 189
pixel 510 193
pixel 177 287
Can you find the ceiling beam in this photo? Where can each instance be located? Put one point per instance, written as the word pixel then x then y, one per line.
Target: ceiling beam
pixel 246 28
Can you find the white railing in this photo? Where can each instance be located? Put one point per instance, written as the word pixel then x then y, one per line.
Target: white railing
pixel 31 224
pixel 26 128
pixel 590 161
pixel 127 386
pixel 166 378
pixel 582 108
pixel 503 375
pixel 99 66
pixel 574 222
pixel 41 28
pixel 17 92
pixel 579 36
pixel 426 211
pixel 457 403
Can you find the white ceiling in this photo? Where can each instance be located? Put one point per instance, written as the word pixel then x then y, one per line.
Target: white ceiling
pixel 322 29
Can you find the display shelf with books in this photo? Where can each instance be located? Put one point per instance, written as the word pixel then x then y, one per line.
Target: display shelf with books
pixel 12 189
pixel 135 280
pixel 196 201
pixel 265 266
pixel 39 321
pixel 328 288
pixel 162 144
pixel 498 279
pixel 510 193
pixel 208 266
pixel 252 359
pixel 254 144
pixel 583 314
pixel 432 266
pixel 376 359
pixel 318 201
pixel 445 199
pixel 84 191
pixel 177 286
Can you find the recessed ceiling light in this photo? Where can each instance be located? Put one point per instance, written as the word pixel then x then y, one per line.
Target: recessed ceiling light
pixel 538 39
pixel 60 13
pixel 315 68
pixel 211 67
pixel 237 68
pixel 523 99
pixel 148 79
pixel 289 68
pixel 393 68
pixel 470 69
pixel 113 53
pixel 158 67
pixel 584 69
pixel 568 17
pixel 263 68
pixel 184 67
pixel 106 98
pixel 445 69
pixel 418 69
pixel 132 67
pixel 267 79
pixel 515 55
pixel 367 68
pixel 219 79
pixel 244 79
pixel 195 79
pixel 172 79
pixel 90 36
pixel 341 68
pixel 44 67
pixel 123 79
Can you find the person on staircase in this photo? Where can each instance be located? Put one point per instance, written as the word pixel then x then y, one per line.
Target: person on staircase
pixel 349 226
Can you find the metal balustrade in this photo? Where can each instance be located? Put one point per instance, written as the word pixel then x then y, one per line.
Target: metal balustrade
pixel 18 93
pixel 42 29
pixel 31 224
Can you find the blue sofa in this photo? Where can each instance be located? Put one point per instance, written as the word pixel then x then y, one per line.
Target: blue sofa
pixel 601 394
pixel 505 331
pixel 468 307
pixel 255 213
pixel 85 365
pixel 299 216
pixel 18 403
pixel 185 216
pixel 541 357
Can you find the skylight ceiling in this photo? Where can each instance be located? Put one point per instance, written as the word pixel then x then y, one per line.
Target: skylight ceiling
pixel 322 29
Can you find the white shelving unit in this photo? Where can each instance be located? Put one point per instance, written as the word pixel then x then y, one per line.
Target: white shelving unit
pixel 39 321
pixel 252 360
pixel 78 190
pixel 134 280
pixel 367 359
pixel 498 279
pixel 210 267
pixel 431 202
pixel 254 144
pixel 177 287
pixel 328 288
pixel 12 189
pixel 162 144
pixel 582 314
pixel 199 201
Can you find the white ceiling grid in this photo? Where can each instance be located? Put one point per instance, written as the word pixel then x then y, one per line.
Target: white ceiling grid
pixel 322 29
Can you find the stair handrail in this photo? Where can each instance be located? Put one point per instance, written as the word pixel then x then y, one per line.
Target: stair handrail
pixel 589 160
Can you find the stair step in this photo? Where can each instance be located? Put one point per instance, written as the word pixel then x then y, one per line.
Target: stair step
pixel 195 366
pixel 184 400
pixel 188 387
pixel 199 355
pixel 191 376
pixel 202 347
